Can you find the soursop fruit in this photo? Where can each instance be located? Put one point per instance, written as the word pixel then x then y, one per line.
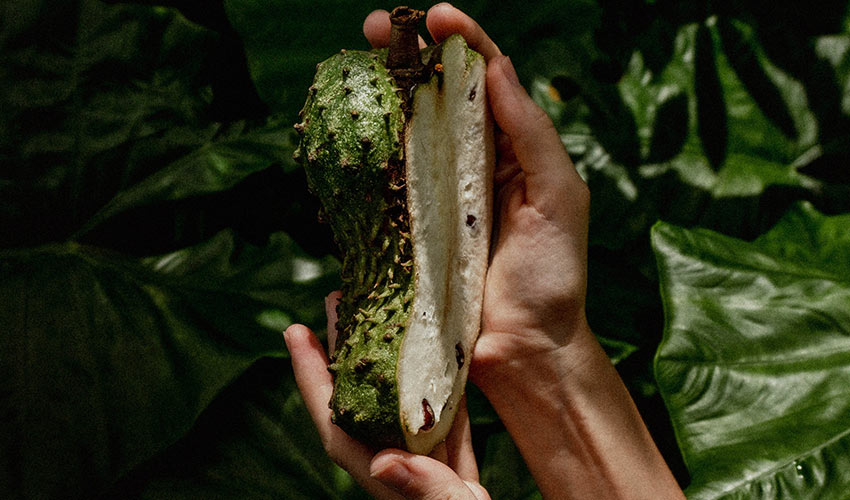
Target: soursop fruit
pixel 402 160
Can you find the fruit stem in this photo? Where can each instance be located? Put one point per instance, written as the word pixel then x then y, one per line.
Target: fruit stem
pixel 403 59
pixel 404 39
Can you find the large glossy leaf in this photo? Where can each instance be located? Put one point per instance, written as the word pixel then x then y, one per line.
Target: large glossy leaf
pixel 108 108
pixel 106 360
pixel 755 362
pixel 95 97
pixel 255 441
pixel 215 166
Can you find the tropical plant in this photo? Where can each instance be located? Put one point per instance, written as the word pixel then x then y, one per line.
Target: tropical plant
pixel 157 237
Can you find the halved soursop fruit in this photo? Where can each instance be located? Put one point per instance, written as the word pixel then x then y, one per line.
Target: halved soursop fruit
pixel 402 162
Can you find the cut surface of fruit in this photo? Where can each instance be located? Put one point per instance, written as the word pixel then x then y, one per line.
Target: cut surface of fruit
pixel 449 158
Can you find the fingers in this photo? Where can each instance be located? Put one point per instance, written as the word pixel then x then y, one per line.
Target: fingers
pixel 331 302
pixel 377 26
pixel 417 477
pixel 444 20
pixel 310 366
pixel 461 457
pixel 549 172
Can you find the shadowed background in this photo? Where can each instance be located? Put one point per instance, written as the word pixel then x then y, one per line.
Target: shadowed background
pixel 157 237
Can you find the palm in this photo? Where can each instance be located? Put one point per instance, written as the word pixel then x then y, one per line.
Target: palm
pixel 537 273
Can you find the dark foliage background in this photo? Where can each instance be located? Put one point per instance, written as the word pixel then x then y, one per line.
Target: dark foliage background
pixel 156 238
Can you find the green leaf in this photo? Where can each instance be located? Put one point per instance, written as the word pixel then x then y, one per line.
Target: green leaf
pixel 503 471
pixel 755 362
pixel 107 360
pixel 711 109
pixel 94 98
pixel 285 39
pixel 109 108
pixel 671 129
pixel 215 166
pixel 741 52
pixel 256 440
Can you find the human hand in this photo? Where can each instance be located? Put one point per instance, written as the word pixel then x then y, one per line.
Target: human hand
pixel 390 474
pixel 536 282
pixel 536 358
pixel 536 278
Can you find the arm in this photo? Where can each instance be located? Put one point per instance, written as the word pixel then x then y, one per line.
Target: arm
pixel 584 437
pixel 536 360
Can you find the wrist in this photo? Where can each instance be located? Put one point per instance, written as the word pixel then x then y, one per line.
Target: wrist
pixel 573 420
pixel 506 359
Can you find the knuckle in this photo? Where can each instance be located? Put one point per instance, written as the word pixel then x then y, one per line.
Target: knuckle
pixel 538 117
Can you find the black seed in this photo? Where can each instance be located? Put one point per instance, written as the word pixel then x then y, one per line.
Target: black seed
pixel 429 416
pixel 472 95
pixel 346 89
pixel 382 379
pixel 331 135
pixel 354 114
pixel 388 337
pixel 459 356
pixel 373 81
pixel 470 220
pixel 312 89
pixel 345 71
pixel 365 142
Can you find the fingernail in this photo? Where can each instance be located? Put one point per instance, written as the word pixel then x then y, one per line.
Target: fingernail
pixel 393 474
pixel 510 72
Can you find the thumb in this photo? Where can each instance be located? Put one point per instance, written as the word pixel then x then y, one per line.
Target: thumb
pixel 418 477
pixel 549 172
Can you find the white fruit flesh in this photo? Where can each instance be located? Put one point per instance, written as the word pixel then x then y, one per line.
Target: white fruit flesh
pixel 450 158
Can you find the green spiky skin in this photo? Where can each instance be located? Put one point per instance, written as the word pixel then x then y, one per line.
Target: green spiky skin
pixel 351 134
